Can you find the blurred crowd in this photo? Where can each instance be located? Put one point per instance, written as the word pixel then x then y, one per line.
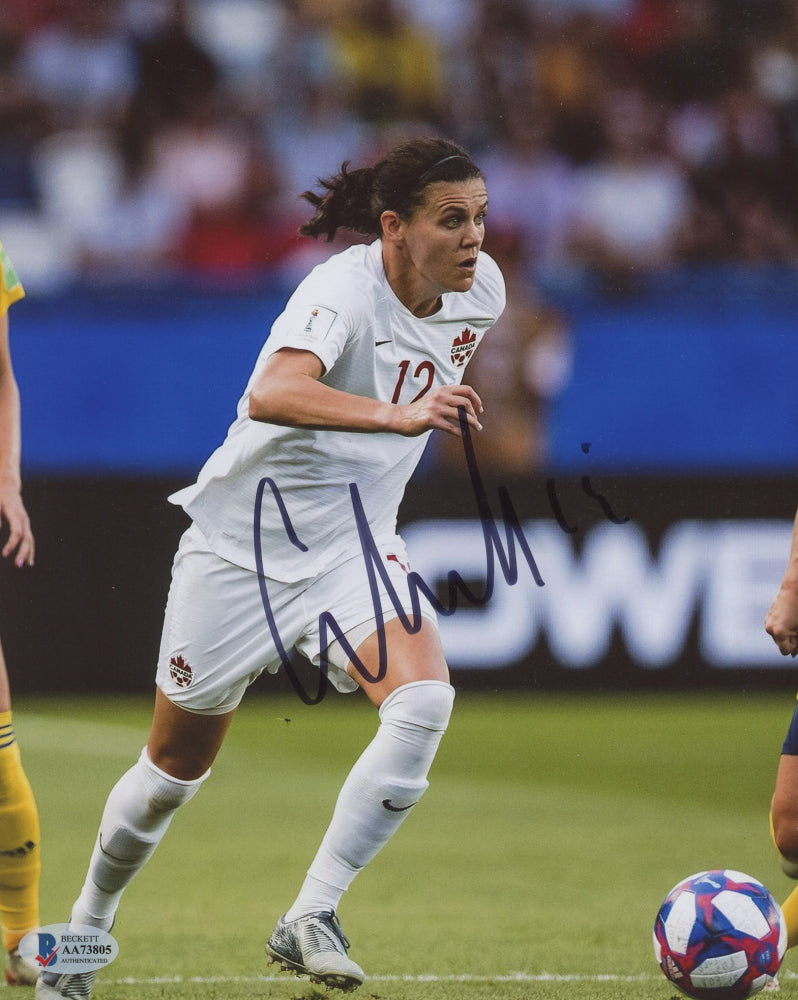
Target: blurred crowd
pixel 144 138
pixel 154 141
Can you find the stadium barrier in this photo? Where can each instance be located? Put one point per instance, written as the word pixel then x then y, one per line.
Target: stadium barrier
pixel 603 581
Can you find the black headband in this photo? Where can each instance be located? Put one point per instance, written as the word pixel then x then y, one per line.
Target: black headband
pixel 454 156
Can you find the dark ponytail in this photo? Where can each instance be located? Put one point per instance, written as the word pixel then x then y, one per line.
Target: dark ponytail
pixel 355 199
pixel 345 205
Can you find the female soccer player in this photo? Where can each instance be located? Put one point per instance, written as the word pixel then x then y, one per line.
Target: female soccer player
pixel 364 362
pixel 19 819
pixel 781 624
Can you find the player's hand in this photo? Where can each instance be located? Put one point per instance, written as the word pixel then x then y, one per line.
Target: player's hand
pixel 781 621
pixel 20 543
pixel 439 410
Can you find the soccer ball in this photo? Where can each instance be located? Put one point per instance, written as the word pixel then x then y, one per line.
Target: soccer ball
pixel 720 935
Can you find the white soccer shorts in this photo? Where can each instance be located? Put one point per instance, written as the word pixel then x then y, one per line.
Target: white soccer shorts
pixel 217 638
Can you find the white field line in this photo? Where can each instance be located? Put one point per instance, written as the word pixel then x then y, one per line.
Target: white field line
pixel 513 977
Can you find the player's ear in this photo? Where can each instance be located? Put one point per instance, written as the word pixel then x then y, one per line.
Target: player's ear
pixel 392 227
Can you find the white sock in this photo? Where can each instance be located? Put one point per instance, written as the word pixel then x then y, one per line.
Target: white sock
pixel 389 777
pixel 136 816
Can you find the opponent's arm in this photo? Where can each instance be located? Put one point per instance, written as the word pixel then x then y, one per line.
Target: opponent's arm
pixel 288 392
pixel 782 619
pixel 20 537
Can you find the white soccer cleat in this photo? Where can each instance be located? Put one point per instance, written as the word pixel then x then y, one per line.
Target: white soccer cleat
pixel 55 986
pixel 315 946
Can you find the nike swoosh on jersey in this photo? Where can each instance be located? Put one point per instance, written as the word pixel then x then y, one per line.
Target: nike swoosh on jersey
pixel 379 343
pixel 396 809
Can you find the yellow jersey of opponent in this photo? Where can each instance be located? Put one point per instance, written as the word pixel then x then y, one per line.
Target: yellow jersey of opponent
pixel 11 289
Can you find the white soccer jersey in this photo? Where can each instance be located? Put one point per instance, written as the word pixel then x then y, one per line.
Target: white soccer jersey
pixel 371 345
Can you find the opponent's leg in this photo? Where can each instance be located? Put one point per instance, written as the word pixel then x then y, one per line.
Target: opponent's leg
pixel 20 863
pixel 137 814
pixel 784 827
pixel 790 910
pixel 415 702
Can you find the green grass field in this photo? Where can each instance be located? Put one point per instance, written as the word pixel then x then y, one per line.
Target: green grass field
pixel 533 868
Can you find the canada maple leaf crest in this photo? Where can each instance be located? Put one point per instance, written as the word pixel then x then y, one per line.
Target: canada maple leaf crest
pixel 180 672
pixel 463 347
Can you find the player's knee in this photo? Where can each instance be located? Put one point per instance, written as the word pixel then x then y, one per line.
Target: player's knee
pixel 423 704
pixel 787 846
pixel 166 793
pixel 784 824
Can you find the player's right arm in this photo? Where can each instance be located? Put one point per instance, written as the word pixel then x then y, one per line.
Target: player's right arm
pixel 12 510
pixel 782 619
pixel 288 392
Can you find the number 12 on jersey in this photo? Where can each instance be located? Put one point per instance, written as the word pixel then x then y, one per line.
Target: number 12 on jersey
pixel 425 370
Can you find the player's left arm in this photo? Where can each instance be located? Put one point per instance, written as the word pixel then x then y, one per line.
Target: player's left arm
pixel 782 619
pixel 20 543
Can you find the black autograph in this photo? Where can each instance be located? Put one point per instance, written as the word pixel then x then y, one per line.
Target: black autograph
pixel 506 552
